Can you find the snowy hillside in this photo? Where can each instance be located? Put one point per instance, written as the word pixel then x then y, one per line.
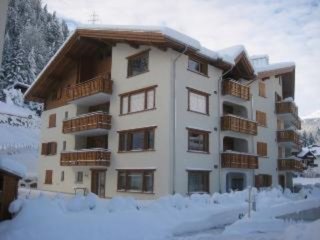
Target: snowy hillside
pixel 20 132
pixel 311 124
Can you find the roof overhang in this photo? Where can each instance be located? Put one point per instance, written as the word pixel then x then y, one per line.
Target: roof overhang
pixel 110 37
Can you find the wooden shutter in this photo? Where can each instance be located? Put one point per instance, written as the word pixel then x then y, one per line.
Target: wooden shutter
pixel 52 120
pixel 257 181
pixel 261 118
pixel 262 89
pixel 48 177
pixel 53 148
pixel 44 149
pixel 262 149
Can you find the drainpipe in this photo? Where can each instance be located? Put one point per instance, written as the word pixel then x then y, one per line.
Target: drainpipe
pixel 219 127
pixel 174 117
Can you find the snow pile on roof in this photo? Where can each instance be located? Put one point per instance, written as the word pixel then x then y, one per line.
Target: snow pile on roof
pixel 12 167
pixel 231 53
pixel 274 66
pixel 259 60
pixel 313 115
pixel 168 32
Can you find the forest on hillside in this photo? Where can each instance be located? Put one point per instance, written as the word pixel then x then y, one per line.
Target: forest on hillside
pixel 32 37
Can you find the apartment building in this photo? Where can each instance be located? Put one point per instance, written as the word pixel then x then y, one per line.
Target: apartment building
pixel 148 111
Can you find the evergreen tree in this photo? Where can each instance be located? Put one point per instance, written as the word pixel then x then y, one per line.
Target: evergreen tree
pixel 33 35
pixel 311 139
pixel 304 139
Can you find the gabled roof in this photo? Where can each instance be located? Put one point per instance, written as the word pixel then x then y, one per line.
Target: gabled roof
pixel 161 37
pixel 238 57
pixel 12 167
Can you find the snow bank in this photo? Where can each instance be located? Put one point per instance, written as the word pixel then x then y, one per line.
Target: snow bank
pixel 13 109
pixel 89 217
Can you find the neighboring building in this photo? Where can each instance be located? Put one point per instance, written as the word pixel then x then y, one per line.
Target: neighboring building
pixel 10 174
pixel 149 112
pixel 3 21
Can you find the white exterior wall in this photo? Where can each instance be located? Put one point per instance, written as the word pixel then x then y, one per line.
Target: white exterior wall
pixel 267 165
pixel 190 160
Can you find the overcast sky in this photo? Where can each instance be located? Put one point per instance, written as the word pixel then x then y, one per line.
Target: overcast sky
pixel 287 30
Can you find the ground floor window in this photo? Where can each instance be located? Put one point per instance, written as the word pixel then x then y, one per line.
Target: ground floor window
pixel 263 180
pixel 198 181
pixel 235 181
pixel 136 180
pixel 79 177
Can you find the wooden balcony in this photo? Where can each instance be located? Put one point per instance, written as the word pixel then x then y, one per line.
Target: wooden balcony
pixel 94 91
pixel 239 160
pixel 233 88
pixel 238 124
pixel 87 123
pixel 86 157
pixel 289 111
pixel 290 165
pixel 290 137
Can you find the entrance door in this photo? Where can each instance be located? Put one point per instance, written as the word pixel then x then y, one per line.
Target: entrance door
pixel 237 184
pixel 98 182
pixel 282 181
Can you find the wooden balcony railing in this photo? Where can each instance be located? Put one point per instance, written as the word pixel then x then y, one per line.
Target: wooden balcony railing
pixel 95 85
pixel 86 157
pixel 289 108
pixel 97 120
pixel 239 160
pixel 288 136
pixel 290 165
pixel 238 124
pixel 235 89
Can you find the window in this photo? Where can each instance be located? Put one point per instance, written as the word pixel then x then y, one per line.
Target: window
pixel 64 145
pixel 137 139
pixel 79 177
pixel 198 181
pixel 135 180
pixel 62 176
pixel 261 118
pixel 198 140
pixel 48 177
pixel 262 89
pixel 262 149
pixel 138 63
pixel 49 148
pixel 197 66
pixel 52 120
pixel 198 101
pixel 66 115
pixel 137 101
pixel 263 180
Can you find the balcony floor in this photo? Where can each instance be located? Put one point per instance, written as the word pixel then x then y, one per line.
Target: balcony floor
pixel 93 99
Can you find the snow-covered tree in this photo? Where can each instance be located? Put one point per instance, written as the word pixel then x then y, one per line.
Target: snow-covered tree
pixel 311 139
pixel 304 139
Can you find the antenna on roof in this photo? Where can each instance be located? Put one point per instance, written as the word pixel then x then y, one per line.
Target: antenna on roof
pixel 94 18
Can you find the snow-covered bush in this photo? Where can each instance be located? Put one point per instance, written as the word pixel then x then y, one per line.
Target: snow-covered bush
pixel 118 204
pixel 14 96
pixel 16 206
pixel 81 203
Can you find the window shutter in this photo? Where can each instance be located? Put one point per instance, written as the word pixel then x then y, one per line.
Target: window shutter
pixel 52 120
pixel 44 149
pixel 262 149
pixel 48 177
pixel 262 89
pixel 53 148
pixel 261 118
pixel 257 181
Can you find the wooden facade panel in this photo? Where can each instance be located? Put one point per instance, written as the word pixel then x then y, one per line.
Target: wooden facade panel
pixel 97 120
pixel 8 193
pixel 261 118
pixel 289 108
pixel 239 160
pixel 236 89
pixel 288 136
pixel 290 165
pixel 238 124
pixel 86 158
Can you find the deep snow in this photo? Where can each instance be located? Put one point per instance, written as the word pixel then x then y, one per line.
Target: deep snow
pixel 172 217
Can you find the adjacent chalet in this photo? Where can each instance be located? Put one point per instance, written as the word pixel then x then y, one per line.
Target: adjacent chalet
pixel 10 174
pixel 148 111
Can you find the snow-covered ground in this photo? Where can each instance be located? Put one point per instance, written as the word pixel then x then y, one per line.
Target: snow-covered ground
pixel 49 216
pixel 19 136
pixel 305 181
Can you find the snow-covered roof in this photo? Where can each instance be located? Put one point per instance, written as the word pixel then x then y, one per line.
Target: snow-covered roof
pixel 231 53
pixel 12 167
pixel 257 56
pixel 274 66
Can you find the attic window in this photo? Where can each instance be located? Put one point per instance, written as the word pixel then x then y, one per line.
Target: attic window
pixel 197 66
pixel 138 63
